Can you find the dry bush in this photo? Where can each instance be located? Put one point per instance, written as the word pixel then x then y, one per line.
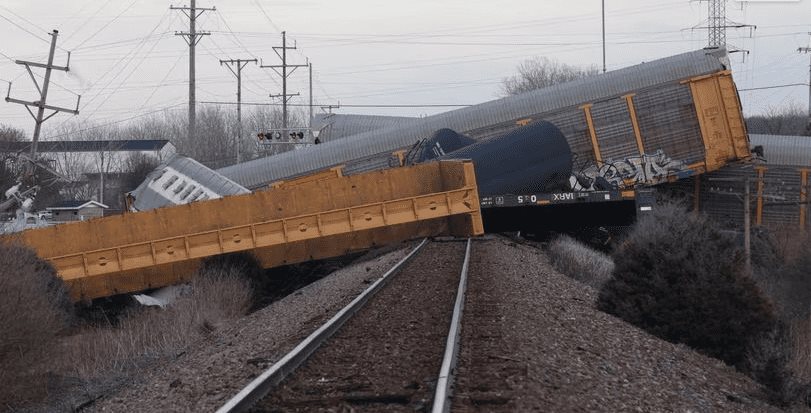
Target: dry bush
pixel 768 360
pixel 681 278
pixel 34 308
pixel 782 263
pixel 800 360
pixel 215 297
pixel 579 261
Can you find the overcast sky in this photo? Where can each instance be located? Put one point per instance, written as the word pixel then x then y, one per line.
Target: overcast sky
pixel 127 62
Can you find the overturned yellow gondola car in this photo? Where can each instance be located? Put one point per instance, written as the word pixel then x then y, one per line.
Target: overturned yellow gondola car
pixel 305 219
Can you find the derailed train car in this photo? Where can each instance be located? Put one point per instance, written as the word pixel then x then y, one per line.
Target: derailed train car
pixel 645 124
pixel 778 187
pixel 655 122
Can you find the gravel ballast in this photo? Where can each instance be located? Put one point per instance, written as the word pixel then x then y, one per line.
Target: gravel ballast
pixel 387 356
pixel 533 341
pixel 206 375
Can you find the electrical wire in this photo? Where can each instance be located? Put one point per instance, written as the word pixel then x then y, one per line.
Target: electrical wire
pixel 428 105
pixel 25 30
pixel 106 24
pixel 773 87
pixel 117 121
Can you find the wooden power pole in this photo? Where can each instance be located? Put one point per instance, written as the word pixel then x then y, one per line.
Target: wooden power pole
pixel 239 64
pixel 192 37
pixel 41 104
pixel 284 74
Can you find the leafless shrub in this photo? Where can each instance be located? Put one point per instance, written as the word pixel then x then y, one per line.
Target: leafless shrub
pixel 768 359
pixel 782 263
pixel 34 308
pixel 580 262
pixel 800 361
pixel 681 278
pixel 215 297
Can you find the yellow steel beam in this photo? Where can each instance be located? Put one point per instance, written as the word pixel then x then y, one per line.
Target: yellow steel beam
pixel 331 173
pixel 263 234
pixel 761 171
pixel 629 100
pixel 595 145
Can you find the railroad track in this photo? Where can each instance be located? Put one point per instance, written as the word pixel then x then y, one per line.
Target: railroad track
pixel 394 347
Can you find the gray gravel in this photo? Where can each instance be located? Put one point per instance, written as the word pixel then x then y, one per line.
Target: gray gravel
pixel 537 344
pixel 387 356
pixel 209 373
pixel 533 341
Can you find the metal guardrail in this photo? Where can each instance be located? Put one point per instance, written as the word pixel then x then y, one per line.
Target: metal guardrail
pixel 259 387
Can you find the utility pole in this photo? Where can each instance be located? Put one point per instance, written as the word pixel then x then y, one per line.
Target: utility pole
pixel 239 64
pixel 329 108
pixel 747 226
pixel 284 74
pixel 310 125
pixel 192 37
pixel 603 36
pixel 41 104
pixel 808 50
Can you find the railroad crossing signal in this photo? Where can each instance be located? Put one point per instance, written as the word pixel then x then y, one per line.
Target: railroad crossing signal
pixel 297 136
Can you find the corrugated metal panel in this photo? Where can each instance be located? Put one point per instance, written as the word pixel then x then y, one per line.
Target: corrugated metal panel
pixel 504 111
pixel 182 180
pixel 781 196
pixel 723 200
pixel 668 121
pixel 785 156
pixel 334 126
pixel 784 149
pixel 612 122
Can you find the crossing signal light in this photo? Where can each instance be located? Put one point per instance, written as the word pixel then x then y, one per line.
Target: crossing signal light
pixel 261 136
pixel 297 135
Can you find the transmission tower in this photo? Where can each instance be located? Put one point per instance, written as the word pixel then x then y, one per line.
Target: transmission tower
pixel 717 25
pixel 192 37
pixel 284 74
pixel 41 103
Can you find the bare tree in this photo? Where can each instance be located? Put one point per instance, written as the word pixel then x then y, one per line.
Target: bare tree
pixel 9 169
pixel 540 72
pixel 11 134
pixel 789 119
pixel 136 168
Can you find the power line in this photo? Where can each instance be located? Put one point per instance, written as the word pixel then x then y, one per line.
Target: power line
pixel 106 24
pixel 95 13
pixel 262 9
pixel 429 105
pixel 117 121
pixel 25 20
pixel 24 29
pixel 773 87
pixel 132 54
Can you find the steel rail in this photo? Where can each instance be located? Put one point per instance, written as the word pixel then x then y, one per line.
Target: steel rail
pixel 444 384
pixel 261 386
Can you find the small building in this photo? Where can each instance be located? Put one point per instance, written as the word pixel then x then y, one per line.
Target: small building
pixel 67 211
